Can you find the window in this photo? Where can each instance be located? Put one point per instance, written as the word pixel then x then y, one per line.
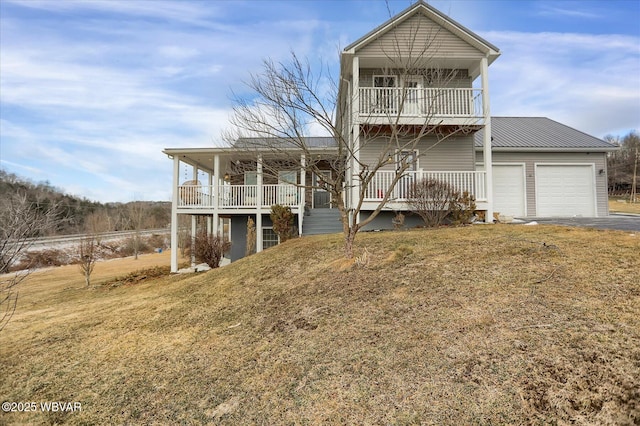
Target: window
pixel 384 81
pixel 385 102
pixel 410 157
pixel 269 238
pixel 287 194
pixel 250 178
pixel 287 177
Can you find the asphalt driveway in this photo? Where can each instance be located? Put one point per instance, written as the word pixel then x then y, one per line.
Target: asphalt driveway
pixel 622 222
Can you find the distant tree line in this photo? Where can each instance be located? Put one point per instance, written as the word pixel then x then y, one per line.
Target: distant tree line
pixel 79 215
pixel 623 164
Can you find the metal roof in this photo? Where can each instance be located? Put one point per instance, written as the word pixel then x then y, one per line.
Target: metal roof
pixel 310 142
pixel 538 133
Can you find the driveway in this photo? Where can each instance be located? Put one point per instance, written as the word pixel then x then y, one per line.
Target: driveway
pixel 622 222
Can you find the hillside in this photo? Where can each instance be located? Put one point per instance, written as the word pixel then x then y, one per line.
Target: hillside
pixel 78 215
pixel 478 325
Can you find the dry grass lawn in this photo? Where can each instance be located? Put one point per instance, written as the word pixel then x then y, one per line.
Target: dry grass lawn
pixel 616 206
pixel 495 324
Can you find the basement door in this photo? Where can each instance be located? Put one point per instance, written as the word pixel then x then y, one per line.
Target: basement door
pixel 565 190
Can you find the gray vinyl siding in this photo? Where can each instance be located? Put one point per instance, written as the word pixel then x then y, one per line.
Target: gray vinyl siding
pixel 530 159
pixel 239 233
pixel 428 34
pixel 384 220
pixel 453 154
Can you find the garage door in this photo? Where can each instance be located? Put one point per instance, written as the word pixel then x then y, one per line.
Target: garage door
pixel 508 189
pixel 565 190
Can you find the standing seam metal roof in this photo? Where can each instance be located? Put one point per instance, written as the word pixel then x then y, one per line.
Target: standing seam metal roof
pixel 537 133
pixel 507 132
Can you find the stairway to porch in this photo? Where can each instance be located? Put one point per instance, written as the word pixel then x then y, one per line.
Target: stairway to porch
pixel 322 221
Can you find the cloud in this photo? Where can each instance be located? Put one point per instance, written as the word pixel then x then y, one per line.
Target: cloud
pixel 546 10
pixel 90 103
pixel 588 81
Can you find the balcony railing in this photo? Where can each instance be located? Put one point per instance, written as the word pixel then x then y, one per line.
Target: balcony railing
pixel 237 196
pixel 472 182
pixel 429 102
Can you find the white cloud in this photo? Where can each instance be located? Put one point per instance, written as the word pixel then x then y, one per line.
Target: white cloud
pixel 546 10
pixel 591 82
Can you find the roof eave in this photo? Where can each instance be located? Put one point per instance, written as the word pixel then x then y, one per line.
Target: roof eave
pixel 549 149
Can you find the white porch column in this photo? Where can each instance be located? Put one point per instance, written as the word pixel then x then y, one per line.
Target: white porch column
pixel 194 228
pixel 488 162
pixel 215 190
pixel 174 215
pixel 303 193
pixel 355 120
pixel 259 206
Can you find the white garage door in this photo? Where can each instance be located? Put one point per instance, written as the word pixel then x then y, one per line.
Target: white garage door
pixel 508 189
pixel 565 190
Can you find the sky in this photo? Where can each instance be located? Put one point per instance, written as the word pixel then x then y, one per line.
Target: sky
pixel 91 91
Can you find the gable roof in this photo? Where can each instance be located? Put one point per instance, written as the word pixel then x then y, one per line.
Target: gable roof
pixel 538 134
pixel 434 14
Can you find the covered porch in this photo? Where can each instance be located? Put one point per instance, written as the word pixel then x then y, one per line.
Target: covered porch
pixel 228 182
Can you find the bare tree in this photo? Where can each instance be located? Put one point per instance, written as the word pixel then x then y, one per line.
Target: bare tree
pixel 622 164
pixel 88 256
pixel 22 222
pixel 137 212
pixel 292 100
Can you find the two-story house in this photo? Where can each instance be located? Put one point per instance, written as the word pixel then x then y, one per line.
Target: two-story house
pixel 414 90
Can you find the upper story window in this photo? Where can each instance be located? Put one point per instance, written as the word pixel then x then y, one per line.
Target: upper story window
pixel 385 81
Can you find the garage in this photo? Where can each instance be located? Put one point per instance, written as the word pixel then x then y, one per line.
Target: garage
pixel 565 190
pixel 509 189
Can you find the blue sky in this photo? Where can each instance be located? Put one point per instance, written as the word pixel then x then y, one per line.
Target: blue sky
pixel 92 91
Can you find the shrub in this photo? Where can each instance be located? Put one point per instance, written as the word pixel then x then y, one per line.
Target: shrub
pixel 282 219
pixel 251 237
pixel 42 259
pixel 129 247
pixel 432 200
pixel 463 209
pixel 210 248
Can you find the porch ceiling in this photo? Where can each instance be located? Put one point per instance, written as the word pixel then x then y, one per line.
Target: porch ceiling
pixel 203 158
pixel 471 64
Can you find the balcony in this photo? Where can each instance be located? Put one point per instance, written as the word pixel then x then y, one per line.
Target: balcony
pixel 236 197
pixel 472 182
pixel 454 106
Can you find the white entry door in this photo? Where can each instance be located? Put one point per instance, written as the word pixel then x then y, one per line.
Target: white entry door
pixel 509 189
pixel 565 190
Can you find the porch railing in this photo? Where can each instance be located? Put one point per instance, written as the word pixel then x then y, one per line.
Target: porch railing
pixel 472 182
pixel 421 102
pixel 237 196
